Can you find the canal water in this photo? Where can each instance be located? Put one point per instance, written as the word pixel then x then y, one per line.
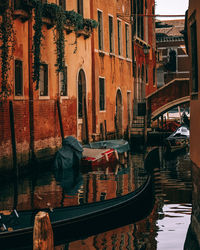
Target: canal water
pixel 165 228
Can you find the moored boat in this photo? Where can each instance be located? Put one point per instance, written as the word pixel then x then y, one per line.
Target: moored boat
pixel 178 140
pixel 94 157
pixel 102 152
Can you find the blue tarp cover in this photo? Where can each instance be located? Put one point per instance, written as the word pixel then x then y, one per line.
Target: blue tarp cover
pixel 120 145
pixel 69 155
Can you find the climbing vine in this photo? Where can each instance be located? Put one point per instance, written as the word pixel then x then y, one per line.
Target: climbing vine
pixel 60 19
pixel 37 38
pixel 7 35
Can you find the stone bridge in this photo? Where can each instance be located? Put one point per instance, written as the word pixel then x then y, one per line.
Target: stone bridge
pixel 172 94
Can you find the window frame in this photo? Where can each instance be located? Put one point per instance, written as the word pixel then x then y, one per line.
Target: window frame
pixel 119 37
pixel 147 73
pixel 21 83
pixel 61 83
pixel 111 34
pixel 102 95
pixel 45 81
pixel 62 3
pixel 80 7
pixel 127 40
pixel 100 30
pixel 170 50
pixel 154 76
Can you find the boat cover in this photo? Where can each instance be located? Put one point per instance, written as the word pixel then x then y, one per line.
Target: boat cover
pixel 69 155
pixel 120 145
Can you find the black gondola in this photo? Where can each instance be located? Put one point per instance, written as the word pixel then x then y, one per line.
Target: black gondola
pixel 75 222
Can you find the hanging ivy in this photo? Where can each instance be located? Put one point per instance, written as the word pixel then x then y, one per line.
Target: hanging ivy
pixel 7 35
pixel 60 19
pixel 37 38
pixel 59 39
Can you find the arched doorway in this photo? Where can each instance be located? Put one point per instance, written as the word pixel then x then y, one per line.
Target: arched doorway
pixel 82 108
pixel 118 115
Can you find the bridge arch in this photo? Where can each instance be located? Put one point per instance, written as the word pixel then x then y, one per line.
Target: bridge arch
pixel 163 109
pixel 173 94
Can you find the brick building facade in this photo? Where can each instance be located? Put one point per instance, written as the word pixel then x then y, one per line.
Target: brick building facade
pixel 112 77
pixel 30 124
pixel 107 73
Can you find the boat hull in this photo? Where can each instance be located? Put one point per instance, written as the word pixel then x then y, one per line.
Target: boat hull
pixel 85 220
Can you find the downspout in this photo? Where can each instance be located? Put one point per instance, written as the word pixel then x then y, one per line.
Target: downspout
pixel 93 74
pixel 31 108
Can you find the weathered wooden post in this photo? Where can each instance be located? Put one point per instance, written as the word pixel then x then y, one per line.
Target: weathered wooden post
pixel 42 232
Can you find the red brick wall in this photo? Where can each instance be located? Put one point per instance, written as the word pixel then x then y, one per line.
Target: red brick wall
pixel 171 92
pixel 5 137
pixel 47 136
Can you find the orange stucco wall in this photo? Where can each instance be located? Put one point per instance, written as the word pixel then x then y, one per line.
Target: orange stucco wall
pixel 115 69
pixel 45 127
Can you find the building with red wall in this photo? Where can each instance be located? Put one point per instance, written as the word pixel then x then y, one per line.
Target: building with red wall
pixel 34 119
pixel 192 37
pixel 123 68
pixel 103 79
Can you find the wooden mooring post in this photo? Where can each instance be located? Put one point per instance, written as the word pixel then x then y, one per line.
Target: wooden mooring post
pixel 42 232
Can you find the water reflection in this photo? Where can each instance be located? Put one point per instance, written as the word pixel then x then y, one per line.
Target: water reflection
pixel 166 227
pixel 173 226
pixel 170 216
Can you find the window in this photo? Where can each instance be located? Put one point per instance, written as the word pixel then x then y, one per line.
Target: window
pixel 102 93
pixel 139 73
pixel 147 72
pixel 171 65
pixel 80 99
pixel 154 76
pixel 62 3
pixel 138 20
pixel 127 41
pixel 63 82
pixel 111 34
pixel 81 93
pixel 44 80
pixel 142 73
pixel 80 7
pixel 119 29
pixel 193 31
pixel 102 196
pixel 18 78
pixel 100 30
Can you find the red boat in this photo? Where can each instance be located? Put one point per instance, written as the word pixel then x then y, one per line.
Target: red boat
pixel 95 157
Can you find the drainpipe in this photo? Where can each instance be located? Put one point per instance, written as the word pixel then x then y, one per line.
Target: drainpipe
pixel 93 75
pixel 31 109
